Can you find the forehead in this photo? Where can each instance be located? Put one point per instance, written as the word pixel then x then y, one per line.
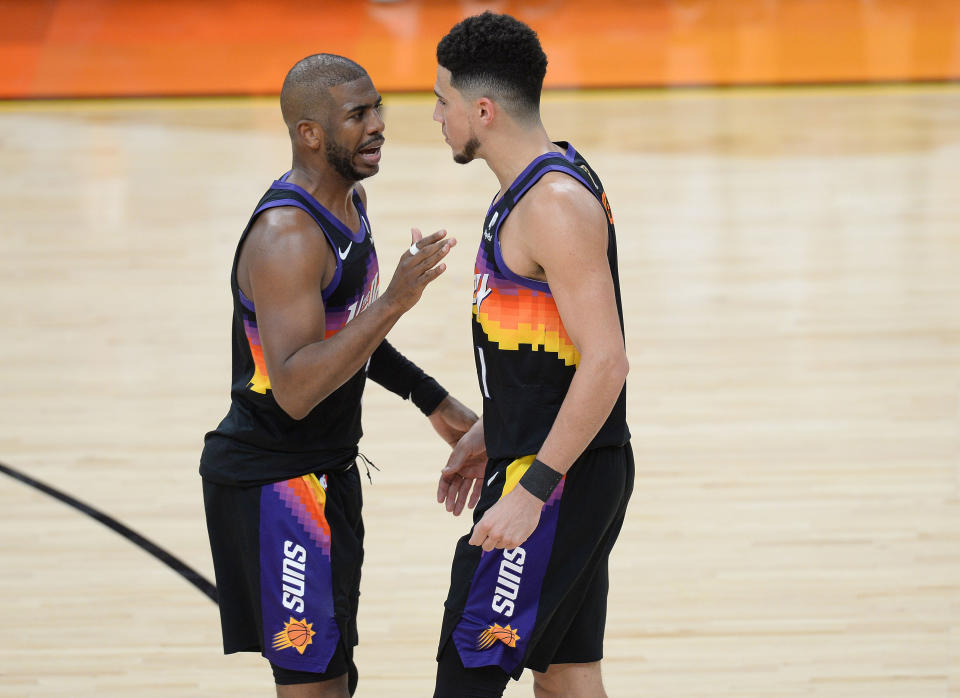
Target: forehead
pixel 353 93
pixel 443 80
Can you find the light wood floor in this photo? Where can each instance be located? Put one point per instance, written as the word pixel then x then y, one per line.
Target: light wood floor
pixel 790 263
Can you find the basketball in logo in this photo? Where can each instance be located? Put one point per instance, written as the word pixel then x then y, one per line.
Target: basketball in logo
pixel 296 633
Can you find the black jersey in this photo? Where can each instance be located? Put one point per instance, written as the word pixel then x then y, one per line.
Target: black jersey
pixel 525 359
pixel 257 441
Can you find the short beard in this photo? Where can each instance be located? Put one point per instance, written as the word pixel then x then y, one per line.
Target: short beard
pixel 341 160
pixel 469 151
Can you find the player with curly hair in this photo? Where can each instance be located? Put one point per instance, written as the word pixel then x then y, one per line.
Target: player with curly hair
pixel 552 454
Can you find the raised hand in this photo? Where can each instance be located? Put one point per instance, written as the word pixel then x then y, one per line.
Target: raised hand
pixel 417 269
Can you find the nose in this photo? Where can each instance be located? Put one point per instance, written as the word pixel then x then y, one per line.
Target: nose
pixel 437 116
pixel 376 123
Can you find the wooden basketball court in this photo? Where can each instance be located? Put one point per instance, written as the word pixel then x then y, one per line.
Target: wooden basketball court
pixel 790 268
pixel 790 263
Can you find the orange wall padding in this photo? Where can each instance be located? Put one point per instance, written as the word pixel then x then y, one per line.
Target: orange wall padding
pixel 82 48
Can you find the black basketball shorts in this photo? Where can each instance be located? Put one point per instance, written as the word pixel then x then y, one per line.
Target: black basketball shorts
pixel 287 558
pixel 545 601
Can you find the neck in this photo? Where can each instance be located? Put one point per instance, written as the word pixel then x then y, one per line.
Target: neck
pixel 326 186
pixel 509 152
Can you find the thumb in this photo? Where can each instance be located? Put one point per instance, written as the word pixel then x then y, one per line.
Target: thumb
pixel 415 235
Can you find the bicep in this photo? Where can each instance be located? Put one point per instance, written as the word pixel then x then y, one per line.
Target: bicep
pixel 287 271
pixel 571 247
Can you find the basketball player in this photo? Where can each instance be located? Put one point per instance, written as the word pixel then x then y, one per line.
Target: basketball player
pixel 281 488
pixel 529 583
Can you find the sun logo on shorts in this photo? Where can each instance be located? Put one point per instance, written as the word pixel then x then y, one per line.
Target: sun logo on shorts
pixel 506 635
pixel 296 633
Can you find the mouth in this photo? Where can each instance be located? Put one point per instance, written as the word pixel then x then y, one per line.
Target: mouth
pixel 370 152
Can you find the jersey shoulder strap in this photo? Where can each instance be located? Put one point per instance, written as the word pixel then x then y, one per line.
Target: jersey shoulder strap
pixel 569 162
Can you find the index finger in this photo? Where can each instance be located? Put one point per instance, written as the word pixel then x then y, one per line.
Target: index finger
pixel 463 489
pixel 431 238
pixel 479 533
pixel 475 495
pixel 437 244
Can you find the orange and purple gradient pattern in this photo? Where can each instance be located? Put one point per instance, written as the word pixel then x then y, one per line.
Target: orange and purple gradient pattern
pixel 306 498
pixel 260 381
pixel 512 314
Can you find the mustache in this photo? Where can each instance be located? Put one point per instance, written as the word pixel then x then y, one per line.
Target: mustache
pixel 374 142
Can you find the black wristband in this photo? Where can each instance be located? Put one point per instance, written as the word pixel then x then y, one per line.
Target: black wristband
pixel 428 395
pixel 540 480
pixel 399 375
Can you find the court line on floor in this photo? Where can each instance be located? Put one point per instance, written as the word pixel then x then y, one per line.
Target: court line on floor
pixel 148 546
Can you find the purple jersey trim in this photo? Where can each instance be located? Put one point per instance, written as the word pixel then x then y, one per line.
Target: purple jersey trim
pixel 534 284
pixel 526 171
pixel 246 302
pixel 332 219
pixel 332 286
pixel 364 221
pixel 494 202
pixel 551 168
pixel 498 255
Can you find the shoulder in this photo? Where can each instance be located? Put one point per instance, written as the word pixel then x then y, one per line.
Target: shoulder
pixel 558 203
pixel 286 232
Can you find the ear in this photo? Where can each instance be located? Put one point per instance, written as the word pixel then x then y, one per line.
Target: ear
pixel 486 110
pixel 311 134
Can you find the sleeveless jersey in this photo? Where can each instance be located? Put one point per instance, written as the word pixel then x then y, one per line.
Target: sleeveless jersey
pixel 257 441
pixel 525 359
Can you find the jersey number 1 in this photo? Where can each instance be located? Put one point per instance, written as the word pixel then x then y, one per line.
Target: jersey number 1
pixel 483 373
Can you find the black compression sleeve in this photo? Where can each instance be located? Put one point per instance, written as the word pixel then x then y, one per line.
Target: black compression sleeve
pixel 399 375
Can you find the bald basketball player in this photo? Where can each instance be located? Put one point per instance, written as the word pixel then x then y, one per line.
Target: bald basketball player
pixel 281 487
pixel 529 582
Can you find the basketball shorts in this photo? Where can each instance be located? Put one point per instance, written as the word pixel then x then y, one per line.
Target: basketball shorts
pixel 287 559
pixel 545 601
